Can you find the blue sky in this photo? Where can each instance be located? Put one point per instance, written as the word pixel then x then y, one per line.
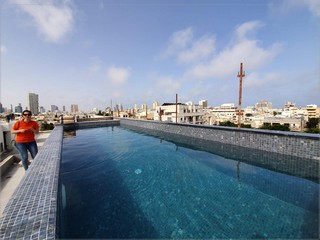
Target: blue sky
pixel 138 52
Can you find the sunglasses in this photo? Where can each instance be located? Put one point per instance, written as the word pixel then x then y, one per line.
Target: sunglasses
pixel 26 114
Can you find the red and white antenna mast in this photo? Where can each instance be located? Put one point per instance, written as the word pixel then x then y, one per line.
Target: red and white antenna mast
pixel 241 74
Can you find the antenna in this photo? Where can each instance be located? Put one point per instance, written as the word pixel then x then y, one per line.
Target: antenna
pixel 240 76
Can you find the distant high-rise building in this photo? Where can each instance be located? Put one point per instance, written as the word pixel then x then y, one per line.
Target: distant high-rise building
pixel 144 106
pixel 42 109
pixel 18 109
pixel 155 105
pixel 74 108
pixel 116 108
pixel 64 108
pixel 34 103
pixel 1 108
pixel 54 108
pixel 203 103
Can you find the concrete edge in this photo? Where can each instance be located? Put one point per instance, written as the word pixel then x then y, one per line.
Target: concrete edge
pixel 7 163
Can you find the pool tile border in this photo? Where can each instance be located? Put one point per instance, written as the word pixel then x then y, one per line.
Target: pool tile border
pixel 288 143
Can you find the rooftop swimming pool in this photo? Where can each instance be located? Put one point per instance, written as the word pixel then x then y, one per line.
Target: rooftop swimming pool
pixel 119 183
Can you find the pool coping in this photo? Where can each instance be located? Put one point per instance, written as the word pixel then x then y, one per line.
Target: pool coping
pixel 31 211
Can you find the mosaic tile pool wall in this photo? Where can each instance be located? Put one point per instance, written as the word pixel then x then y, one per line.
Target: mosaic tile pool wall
pixel 287 143
pixel 31 212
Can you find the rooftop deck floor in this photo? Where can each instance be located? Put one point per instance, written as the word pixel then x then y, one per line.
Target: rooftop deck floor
pixel 11 178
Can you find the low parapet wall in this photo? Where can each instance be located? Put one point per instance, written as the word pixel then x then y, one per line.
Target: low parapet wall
pixel 91 124
pixel 286 143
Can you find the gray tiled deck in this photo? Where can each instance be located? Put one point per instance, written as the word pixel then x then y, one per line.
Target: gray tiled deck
pixel 31 211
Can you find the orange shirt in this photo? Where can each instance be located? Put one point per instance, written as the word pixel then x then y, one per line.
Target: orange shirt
pixel 27 136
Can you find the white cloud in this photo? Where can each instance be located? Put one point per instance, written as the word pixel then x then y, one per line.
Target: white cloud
pixel 286 6
pixel 313 6
pixel 117 75
pixel 53 19
pixel 228 61
pixel 243 50
pixel 244 29
pixel 200 50
pixel 186 49
pixel 178 40
pixel 181 38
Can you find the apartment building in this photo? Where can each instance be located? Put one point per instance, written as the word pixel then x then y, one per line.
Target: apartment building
pixel 263 106
pixel 225 112
pixel 180 113
pixel 312 111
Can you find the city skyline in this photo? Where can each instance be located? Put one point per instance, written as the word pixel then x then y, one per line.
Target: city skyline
pixel 64 108
pixel 138 52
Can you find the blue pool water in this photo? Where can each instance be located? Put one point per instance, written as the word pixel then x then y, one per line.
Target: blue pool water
pixel 117 183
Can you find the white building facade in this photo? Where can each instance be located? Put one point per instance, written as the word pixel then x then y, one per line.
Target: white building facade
pixel 180 113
